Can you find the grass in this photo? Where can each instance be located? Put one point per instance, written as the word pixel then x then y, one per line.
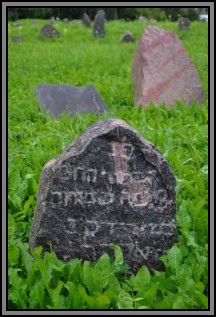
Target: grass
pixel 180 133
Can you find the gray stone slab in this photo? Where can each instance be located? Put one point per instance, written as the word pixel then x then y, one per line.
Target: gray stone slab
pixel 108 186
pixel 184 24
pixel 99 24
pixel 162 71
pixel 127 37
pixel 52 20
pixel 86 20
pixel 58 99
pixel 49 31
pixel 66 20
pixel 17 38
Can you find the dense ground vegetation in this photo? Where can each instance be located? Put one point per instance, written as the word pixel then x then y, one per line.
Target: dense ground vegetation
pixel 180 133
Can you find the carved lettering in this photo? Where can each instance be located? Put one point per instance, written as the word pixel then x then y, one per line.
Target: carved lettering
pixel 140 199
pixel 84 175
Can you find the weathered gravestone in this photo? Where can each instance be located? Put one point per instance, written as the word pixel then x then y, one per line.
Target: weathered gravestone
pixel 17 25
pixel 99 28
pixel 33 22
pixel 49 31
pixel 86 20
pixel 52 20
pixel 152 21
pixel 109 186
pixel 127 37
pixel 142 18
pixel 66 20
pixel 58 99
pixel 184 24
pixel 162 70
pixel 17 38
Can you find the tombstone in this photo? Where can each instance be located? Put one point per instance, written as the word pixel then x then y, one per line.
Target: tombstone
pixel 86 20
pixel 109 186
pixel 49 31
pixel 65 20
pixel 17 25
pixel 99 29
pixel 52 20
pixel 33 22
pixel 58 99
pixel 162 70
pixel 17 38
pixel 152 21
pixel 127 37
pixel 184 24
pixel 142 18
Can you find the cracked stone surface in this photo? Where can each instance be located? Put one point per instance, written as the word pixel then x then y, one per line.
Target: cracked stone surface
pixel 162 71
pixel 108 186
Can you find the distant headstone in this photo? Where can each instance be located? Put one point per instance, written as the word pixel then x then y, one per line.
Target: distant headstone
pixel 49 31
pixel 162 70
pixel 65 20
pixel 109 186
pixel 86 20
pixel 184 24
pixel 142 18
pixel 33 22
pixel 17 38
pixel 152 21
pixel 99 28
pixel 16 24
pixel 128 37
pixel 58 99
pixel 52 20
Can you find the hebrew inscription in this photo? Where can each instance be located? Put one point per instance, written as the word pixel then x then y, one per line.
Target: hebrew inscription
pixel 109 186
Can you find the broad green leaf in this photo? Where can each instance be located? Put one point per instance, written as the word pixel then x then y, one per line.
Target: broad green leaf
pixel 26 258
pixel 17 291
pixel 102 301
pixel 11 226
pixel 203 300
pixel 125 301
pixel 88 277
pixel 29 202
pixel 13 254
pixel 55 295
pixel 118 254
pixel 101 273
pixel 113 288
pixel 175 258
pixel 36 296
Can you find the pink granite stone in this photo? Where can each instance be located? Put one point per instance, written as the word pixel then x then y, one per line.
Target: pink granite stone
pixel 162 71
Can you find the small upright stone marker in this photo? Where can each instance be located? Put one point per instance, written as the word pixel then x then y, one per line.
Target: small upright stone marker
pixel 184 24
pixel 86 20
pixel 162 70
pixel 49 31
pixel 17 38
pixel 52 20
pixel 127 37
pixel 99 29
pixel 109 186
pixel 33 22
pixel 17 25
pixel 66 20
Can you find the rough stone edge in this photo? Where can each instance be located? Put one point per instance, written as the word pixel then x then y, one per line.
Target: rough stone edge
pixel 102 128
pixel 140 56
